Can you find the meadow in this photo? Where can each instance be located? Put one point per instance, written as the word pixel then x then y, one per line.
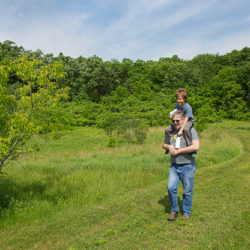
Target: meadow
pixel 77 193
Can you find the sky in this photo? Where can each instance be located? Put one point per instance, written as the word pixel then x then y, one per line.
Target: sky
pixel 117 29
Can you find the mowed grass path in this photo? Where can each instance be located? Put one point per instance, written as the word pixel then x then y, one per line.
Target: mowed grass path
pixel 78 194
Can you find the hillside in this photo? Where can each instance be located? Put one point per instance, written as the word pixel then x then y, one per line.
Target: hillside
pixel 76 193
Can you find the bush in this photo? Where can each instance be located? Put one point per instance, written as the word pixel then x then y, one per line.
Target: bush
pixel 205 115
pixel 133 130
pixel 81 113
pixel 111 142
pixel 109 122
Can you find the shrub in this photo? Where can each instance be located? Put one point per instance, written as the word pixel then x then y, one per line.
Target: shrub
pixel 134 130
pixel 111 142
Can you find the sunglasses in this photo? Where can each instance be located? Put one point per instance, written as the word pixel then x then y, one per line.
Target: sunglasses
pixel 176 121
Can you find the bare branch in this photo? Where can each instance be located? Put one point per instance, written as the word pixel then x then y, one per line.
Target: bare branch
pixel 10 150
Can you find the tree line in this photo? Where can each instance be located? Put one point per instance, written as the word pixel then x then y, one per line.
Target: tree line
pixel 119 96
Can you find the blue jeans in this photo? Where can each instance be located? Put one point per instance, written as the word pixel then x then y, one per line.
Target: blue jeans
pixel 185 173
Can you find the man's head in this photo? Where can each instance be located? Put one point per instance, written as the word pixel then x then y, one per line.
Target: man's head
pixel 178 118
pixel 181 96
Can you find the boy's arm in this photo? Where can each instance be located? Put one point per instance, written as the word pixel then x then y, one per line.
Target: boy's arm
pixel 184 125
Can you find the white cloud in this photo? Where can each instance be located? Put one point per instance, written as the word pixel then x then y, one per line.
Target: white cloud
pixel 135 38
pixel 144 7
pixel 188 48
pixel 144 30
pixel 247 19
pixel 229 42
pixel 55 34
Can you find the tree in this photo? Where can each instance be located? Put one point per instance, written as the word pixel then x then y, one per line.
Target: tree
pixel 8 49
pixel 27 110
pixel 203 67
pixel 225 92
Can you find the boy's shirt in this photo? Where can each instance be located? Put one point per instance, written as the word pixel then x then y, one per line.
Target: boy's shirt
pixel 187 109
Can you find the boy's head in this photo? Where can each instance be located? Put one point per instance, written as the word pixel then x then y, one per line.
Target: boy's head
pixel 181 96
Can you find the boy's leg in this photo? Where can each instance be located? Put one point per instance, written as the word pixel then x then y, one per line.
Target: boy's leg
pixel 168 130
pixel 187 133
pixel 188 136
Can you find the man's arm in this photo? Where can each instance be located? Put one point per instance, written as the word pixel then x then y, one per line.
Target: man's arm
pixel 190 149
pixel 169 147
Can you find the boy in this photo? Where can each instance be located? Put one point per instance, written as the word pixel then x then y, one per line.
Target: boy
pixel 181 99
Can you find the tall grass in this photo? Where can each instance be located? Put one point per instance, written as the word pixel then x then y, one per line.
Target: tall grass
pixel 76 192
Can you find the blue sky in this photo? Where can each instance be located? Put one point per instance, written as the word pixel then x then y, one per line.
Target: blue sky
pixel 139 29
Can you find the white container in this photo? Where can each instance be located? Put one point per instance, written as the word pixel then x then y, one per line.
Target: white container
pixel 178 142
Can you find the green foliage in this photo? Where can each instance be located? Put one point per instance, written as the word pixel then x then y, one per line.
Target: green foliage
pixel 109 122
pixel 90 76
pixel 203 67
pixel 9 50
pixel 134 130
pixel 80 113
pixel 229 93
pixel 142 89
pixel 111 142
pixel 30 108
pixel 204 115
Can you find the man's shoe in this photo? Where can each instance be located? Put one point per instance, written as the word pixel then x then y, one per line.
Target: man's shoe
pixel 172 215
pixel 185 217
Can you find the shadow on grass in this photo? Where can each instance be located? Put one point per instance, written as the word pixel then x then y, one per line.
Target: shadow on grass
pixel 12 192
pixel 165 202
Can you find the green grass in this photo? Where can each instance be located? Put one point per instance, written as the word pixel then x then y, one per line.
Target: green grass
pixel 78 194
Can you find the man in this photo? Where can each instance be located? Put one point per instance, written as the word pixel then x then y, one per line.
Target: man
pixel 182 168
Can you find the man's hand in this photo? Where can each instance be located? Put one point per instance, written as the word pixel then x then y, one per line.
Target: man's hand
pixel 171 150
pixel 167 146
pixel 174 151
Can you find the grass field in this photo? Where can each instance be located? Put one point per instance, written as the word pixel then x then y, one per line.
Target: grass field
pixel 76 193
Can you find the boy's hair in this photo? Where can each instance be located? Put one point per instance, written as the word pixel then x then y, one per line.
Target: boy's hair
pixel 181 92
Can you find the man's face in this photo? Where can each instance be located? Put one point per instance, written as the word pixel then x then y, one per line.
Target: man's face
pixel 178 121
